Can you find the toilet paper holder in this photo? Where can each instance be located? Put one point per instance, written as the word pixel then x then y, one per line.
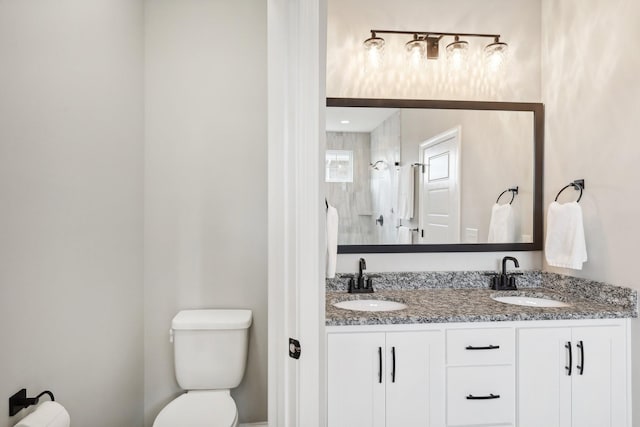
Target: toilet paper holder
pixel 19 401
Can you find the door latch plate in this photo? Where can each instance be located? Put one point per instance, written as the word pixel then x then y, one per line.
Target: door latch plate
pixel 294 348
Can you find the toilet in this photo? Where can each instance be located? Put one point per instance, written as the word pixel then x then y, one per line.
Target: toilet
pixel 210 349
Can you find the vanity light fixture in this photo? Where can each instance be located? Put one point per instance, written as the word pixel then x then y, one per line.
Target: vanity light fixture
pixel 426 45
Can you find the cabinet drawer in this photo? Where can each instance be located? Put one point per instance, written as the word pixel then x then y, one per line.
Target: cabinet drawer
pixel 494 346
pixel 472 395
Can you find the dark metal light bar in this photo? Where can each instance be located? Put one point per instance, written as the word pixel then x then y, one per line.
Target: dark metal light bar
pixel 436 33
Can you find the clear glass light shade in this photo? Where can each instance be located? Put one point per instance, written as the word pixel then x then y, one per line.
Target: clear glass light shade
pixel 416 52
pixel 374 52
pixel 495 56
pixel 458 54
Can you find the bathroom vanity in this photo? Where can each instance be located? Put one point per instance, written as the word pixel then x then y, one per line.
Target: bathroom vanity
pixel 456 357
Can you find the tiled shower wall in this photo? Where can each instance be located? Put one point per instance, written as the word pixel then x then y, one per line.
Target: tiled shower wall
pixel 352 199
pixel 385 145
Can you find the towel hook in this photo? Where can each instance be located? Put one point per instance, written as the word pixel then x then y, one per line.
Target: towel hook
pixel 578 184
pixel 513 191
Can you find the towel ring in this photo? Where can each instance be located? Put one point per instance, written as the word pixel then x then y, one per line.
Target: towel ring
pixel 513 191
pixel 578 184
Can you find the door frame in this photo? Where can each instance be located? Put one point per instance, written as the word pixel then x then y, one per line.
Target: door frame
pixel 296 39
pixel 455 132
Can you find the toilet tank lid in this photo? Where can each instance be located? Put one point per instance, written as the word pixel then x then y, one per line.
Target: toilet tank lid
pixel 211 319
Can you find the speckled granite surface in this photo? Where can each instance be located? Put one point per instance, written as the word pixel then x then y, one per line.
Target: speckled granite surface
pixel 442 297
pixel 434 279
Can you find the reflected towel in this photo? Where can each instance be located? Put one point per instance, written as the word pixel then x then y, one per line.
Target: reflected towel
pixel 47 414
pixel 404 235
pixel 565 245
pixel 332 241
pixel 405 192
pixel 502 224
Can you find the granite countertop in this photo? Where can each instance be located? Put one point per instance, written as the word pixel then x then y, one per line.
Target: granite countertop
pixel 466 302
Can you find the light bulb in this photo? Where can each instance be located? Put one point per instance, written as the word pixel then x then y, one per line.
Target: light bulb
pixel 374 51
pixel 496 55
pixel 458 53
pixel 416 51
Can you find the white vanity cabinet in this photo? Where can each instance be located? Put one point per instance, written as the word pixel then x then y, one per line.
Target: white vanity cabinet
pixel 485 374
pixel 572 376
pixel 385 379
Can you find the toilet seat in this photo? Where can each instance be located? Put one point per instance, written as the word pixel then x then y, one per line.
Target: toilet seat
pixel 209 408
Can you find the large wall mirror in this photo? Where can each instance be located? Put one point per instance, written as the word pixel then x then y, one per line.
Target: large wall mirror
pixel 435 176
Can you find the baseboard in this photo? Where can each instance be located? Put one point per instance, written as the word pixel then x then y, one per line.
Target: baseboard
pixel 263 424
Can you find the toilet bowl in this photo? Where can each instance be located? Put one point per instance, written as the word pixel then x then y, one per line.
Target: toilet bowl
pixel 199 409
pixel 210 352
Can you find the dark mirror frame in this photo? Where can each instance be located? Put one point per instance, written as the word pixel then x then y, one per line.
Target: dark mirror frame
pixel 538 157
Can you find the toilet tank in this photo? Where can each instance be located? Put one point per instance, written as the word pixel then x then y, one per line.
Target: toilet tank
pixel 210 348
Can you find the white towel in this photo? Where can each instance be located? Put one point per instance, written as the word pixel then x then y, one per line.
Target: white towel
pixel 502 224
pixel 404 235
pixel 565 245
pixel 405 192
pixel 332 241
pixel 47 414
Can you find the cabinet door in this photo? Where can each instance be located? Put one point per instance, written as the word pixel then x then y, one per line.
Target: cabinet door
pixel 415 382
pixel 544 385
pixel 356 380
pixel 599 380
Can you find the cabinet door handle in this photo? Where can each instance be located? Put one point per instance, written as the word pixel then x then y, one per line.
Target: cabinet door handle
pixel 568 368
pixel 380 365
pixel 393 363
pixel 491 396
pixel 489 347
pixel 580 345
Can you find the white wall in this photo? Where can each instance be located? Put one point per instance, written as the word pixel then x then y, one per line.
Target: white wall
pixel 438 261
pixel 71 168
pixel 592 97
pixel 349 22
pixel 205 181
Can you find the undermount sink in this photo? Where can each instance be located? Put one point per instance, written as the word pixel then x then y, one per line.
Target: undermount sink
pixel 530 301
pixel 370 305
